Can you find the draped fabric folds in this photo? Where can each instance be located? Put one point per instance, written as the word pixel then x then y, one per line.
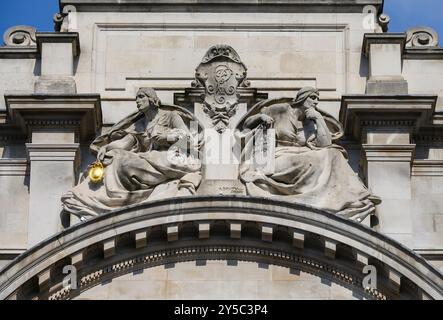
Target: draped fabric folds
pixel 142 169
pixel 301 172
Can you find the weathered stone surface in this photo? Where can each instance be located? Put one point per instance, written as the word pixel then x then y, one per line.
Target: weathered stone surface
pixel 289 153
pixel 220 73
pixel 390 88
pixel 387 87
pixel 284 216
pixel 55 85
pixel 150 144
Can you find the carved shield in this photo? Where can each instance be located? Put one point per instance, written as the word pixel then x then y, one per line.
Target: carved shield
pixel 221 72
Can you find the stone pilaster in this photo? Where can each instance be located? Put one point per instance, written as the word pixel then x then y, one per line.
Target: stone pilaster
pixel 54 125
pixel 52 174
pixel 385 51
pixel 387 169
pixel 384 125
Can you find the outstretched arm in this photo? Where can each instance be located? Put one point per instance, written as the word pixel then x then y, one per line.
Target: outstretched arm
pixel 255 120
pixel 125 143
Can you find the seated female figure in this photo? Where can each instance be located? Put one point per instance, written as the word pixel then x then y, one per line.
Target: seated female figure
pixel 308 168
pixel 141 160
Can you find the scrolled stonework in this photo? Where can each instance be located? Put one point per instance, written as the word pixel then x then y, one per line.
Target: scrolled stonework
pixel 221 72
pixel 422 37
pixel 20 36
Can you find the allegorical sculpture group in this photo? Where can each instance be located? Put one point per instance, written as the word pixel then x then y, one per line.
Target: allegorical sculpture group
pixel 155 153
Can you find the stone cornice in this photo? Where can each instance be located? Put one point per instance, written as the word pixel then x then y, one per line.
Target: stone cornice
pixel 380 38
pixel 52 152
pixel 432 134
pixel 334 6
pixel 34 51
pixel 11 133
pixel 265 216
pixel 19 52
pixel 410 111
pixel 417 53
pixel 14 167
pixel 59 37
pixel 427 168
pixel 12 251
pixel 389 152
pixel 423 53
pixel 54 110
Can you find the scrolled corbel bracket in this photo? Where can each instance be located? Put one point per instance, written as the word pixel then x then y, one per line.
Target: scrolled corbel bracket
pixel 421 37
pixel 20 36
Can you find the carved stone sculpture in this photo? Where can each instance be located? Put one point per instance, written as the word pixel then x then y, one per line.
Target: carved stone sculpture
pixel 145 157
pixel 421 37
pixel 221 72
pixel 20 36
pixel 307 168
pixel 61 19
pixel 383 21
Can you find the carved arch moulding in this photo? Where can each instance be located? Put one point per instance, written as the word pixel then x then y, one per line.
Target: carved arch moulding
pixel 220 228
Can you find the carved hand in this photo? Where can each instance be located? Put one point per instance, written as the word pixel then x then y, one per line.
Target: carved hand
pixel 312 114
pixel 101 154
pixel 267 120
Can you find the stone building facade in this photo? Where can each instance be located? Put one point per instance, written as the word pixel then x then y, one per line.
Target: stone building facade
pixel 67 91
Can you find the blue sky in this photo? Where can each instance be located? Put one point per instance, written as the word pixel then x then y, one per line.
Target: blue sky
pixel 404 14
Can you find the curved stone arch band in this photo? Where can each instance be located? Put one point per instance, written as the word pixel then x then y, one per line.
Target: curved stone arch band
pixel 263 224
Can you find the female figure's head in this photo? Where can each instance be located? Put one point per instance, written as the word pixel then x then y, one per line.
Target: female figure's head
pixel 306 98
pixel 147 99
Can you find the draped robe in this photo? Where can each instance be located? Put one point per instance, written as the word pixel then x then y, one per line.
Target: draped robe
pixel 312 176
pixel 141 171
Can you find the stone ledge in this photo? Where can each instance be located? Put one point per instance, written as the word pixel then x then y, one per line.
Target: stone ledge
pixel 12 251
pixel 52 152
pixel 423 168
pixel 34 51
pixel 14 167
pixel 221 5
pixel 423 53
pixel 82 111
pixel 388 152
pixel 19 52
pixel 393 111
